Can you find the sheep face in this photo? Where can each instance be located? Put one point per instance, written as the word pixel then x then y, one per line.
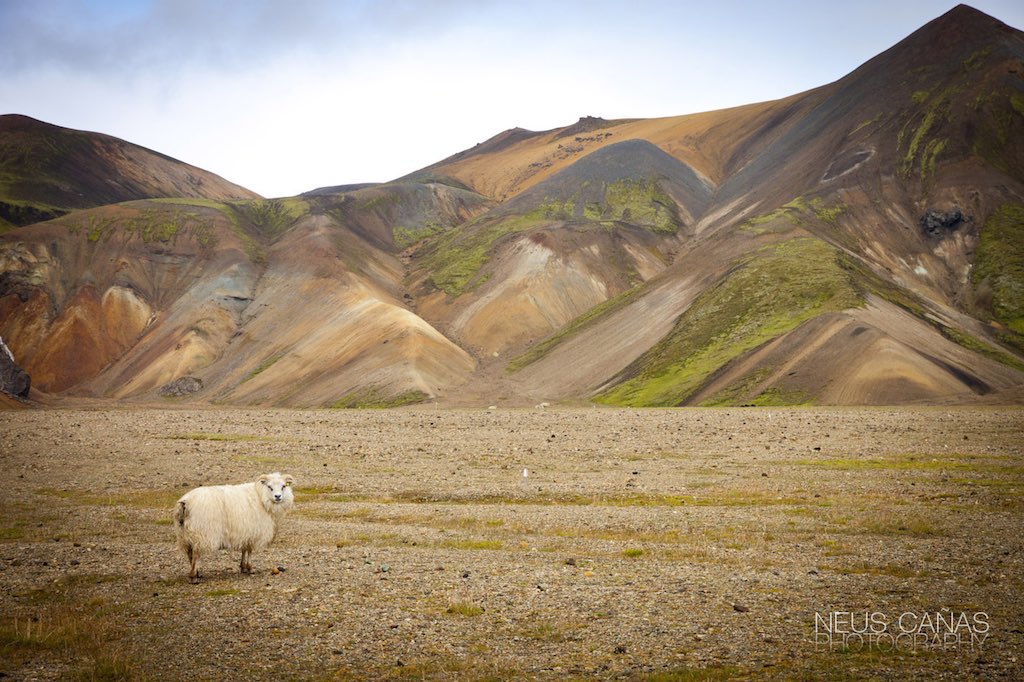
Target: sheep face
pixel 276 492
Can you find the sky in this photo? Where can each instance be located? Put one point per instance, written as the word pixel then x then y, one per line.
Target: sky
pixel 284 96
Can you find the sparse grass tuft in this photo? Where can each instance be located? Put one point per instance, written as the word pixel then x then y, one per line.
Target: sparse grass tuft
pixel 464 608
pixel 888 523
pixel 550 631
pixel 65 623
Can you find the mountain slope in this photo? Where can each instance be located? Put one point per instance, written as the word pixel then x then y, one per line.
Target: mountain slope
pixel 858 243
pixel 281 302
pixel 46 170
pixel 864 185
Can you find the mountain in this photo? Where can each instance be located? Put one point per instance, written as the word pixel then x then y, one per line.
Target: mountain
pixel 859 243
pixel 46 171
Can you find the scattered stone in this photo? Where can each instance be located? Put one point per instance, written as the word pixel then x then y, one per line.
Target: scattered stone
pixel 570 561
pixel 620 649
pixel 740 607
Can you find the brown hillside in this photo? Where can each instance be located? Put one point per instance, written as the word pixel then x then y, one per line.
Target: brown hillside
pixel 46 170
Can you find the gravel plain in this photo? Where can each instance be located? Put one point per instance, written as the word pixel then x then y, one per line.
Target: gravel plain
pixel 670 544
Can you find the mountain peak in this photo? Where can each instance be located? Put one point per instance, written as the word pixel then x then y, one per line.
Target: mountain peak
pixel 962 25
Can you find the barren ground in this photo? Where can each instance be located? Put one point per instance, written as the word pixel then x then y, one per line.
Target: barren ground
pixel 650 545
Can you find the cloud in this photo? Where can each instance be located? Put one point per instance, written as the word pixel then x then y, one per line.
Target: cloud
pixel 173 35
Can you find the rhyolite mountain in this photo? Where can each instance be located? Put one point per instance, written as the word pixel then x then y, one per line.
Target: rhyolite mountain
pixel 859 243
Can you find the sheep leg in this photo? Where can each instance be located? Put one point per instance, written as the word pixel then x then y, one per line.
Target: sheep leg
pixel 245 566
pixel 193 560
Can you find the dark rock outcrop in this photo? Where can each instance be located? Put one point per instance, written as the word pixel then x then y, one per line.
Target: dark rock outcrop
pixel 935 222
pixel 181 386
pixel 13 379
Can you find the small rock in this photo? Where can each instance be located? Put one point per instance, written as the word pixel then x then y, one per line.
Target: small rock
pixel 465 574
pixel 740 607
pixel 570 562
pixel 620 649
pixel 384 568
pixel 274 571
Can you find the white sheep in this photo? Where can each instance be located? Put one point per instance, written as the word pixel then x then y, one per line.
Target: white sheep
pixel 235 517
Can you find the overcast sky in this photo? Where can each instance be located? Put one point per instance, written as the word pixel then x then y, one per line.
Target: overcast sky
pixel 283 96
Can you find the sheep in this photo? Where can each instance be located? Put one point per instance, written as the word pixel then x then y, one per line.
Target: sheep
pixel 235 517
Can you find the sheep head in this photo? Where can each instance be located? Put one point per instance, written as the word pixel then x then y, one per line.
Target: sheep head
pixel 276 492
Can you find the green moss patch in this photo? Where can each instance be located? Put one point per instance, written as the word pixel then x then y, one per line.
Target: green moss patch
pixel 637 202
pixel 271 217
pixel 407 236
pixel 456 258
pixel 999 268
pixel 768 294
pixel 374 398
pixel 793 214
pixel 263 366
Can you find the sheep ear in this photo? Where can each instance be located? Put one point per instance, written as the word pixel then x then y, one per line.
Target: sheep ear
pixel 288 480
pixel 263 480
